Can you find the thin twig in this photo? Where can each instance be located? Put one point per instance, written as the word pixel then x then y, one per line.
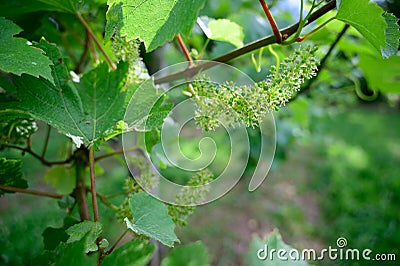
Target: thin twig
pixel 117 242
pixel 31 192
pixel 37 156
pixel 189 72
pixel 115 153
pixel 323 60
pixel 333 45
pixel 302 38
pixel 104 200
pixel 46 141
pixel 93 36
pixel 68 48
pixel 93 185
pixel 114 195
pixel 28 143
pixel 184 50
pixel 78 68
pixel 272 21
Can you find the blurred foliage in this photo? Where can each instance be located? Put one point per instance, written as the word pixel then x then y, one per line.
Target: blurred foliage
pixel 351 144
pixel 359 178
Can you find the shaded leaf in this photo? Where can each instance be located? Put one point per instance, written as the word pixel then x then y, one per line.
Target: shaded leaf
pixel 18 56
pixel 18 7
pixel 11 175
pixel 52 237
pixel 45 258
pixel 194 254
pixel 154 22
pixel 74 254
pixel 133 253
pixel 68 6
pixel 150 218
pixel 87 230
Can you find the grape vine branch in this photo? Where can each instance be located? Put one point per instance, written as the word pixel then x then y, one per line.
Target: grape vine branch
pixel 271 39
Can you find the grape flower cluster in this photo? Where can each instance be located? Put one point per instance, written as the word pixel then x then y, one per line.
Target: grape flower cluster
pixel 248 105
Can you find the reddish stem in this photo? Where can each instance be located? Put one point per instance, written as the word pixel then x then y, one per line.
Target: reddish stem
pixel 271 20
pixel 94 38
pixel 184 49
pixel 93 185
pixel 31 192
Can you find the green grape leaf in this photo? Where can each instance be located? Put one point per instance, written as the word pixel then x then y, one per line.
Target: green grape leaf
pixel 392 34
pixel 18 56
pixel 133 253
pixel 68 254
pixel 67 6
pixel 194 254
pixel 11 175
pixel 145 112
pixel 382 74
pixel 45 258
pixel 222 30
pixel 52 237
pixel 88 230
pixel 88 112
pixel 61 178
pixel 150 218
pixel 367 18
pixel 18 7
pixel 259 252
pixel 152 21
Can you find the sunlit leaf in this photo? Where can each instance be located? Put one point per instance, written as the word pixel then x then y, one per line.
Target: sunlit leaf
pixel 154 22
pixel 367 18
pixel 18 56
pixel 222 30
